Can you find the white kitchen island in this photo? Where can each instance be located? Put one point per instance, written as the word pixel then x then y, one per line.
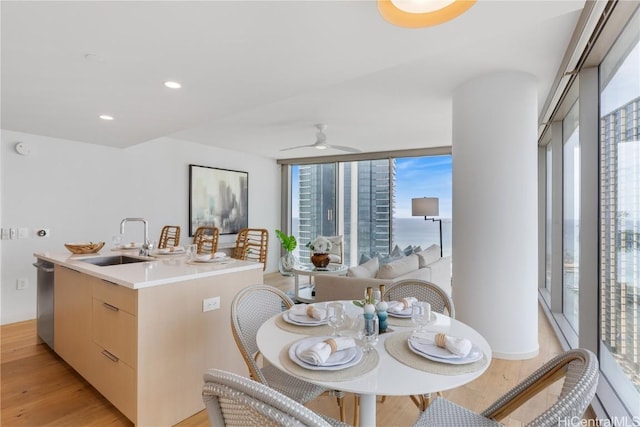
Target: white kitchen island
pixel 138 333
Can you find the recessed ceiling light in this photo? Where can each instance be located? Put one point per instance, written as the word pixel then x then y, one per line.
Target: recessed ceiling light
pixel 105 117
pixel 173 85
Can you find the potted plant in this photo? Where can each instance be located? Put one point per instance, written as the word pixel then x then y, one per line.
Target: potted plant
pixel 320 248
pixel 288 260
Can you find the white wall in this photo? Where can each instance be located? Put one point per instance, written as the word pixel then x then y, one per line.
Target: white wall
pixel 82 191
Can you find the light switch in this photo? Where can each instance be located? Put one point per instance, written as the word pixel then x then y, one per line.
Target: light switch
pixel 23 233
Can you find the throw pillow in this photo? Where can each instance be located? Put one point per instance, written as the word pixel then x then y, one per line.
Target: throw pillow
pixel 365 271
pixel 363 258
pixel 397 253
pixel 398 267
pixel 429 255
pixel 335 253
pixel 408 250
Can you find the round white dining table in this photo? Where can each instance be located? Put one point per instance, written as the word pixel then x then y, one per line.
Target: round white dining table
pixel 390 377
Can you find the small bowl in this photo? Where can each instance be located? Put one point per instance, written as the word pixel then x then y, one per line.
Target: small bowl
pixel 84 248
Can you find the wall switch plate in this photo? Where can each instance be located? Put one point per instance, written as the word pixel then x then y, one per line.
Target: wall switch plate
pixel 23 233
pixel 22 283
pixel 13 233
pixel 5 234
pixel 210 304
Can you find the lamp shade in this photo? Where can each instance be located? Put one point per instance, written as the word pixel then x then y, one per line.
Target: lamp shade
pixel 425 206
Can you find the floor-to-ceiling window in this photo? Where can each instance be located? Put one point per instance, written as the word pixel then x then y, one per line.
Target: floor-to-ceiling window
pixel 428 176
pixel 368 202
pixel 597 149
pixel 620 215
pixel 571 216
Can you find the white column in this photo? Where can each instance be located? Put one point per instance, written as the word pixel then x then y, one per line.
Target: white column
pixel 495 246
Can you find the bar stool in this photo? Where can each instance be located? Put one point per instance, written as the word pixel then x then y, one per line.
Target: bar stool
pixel 169 236
pixel 252 244
pixel 206 239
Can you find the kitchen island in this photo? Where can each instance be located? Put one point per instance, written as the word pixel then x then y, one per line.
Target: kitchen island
pixel 138 331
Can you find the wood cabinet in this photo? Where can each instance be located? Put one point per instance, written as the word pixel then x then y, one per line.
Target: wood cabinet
pixel 114 349
pixel 146 349
pixel 72 318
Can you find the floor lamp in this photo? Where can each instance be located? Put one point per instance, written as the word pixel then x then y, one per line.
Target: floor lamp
pixel 427 206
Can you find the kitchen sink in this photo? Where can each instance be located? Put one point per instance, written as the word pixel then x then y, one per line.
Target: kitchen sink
pixel 104 261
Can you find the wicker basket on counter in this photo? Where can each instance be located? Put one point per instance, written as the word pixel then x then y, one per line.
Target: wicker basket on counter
pixel 84 248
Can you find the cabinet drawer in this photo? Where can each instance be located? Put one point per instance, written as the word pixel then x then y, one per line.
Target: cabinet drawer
pixel 118 296
pixel 115 330
pixel 115 380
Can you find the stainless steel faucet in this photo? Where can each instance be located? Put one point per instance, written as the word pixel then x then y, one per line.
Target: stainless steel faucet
pixel 146 245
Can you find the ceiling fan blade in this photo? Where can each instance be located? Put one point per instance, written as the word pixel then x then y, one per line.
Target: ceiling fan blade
pixel 298 146
pixel 343 148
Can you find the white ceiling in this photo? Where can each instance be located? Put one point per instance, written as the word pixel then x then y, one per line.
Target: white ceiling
pixel 257 75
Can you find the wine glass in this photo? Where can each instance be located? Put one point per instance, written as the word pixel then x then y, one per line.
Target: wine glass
pixel 335 316
pixel 367 331
pixel 420 315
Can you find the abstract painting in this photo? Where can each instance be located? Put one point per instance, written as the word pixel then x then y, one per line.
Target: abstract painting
pixel 219 198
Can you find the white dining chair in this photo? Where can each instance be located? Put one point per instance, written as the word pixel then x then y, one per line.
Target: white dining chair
pixel 579 370
pixel 250 308
pixel 232 400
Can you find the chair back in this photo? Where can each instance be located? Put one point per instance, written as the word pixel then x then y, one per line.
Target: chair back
pixel 579 370
pixel 206 239
pixel 250 308
pixel 252 244
pixel 232 400
pixel 169 236
pixel 336 253
pixel 424 291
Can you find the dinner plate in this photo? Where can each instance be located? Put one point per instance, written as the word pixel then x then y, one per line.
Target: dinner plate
pixel 438 354
pixel 339 360
pixel 126 247
pixel 227 258
pixel 296 319
pixel 179 252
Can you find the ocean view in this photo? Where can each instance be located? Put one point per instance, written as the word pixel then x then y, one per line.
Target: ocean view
pixel 411 231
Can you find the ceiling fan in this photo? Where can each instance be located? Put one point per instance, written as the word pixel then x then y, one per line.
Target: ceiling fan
pixel 321 142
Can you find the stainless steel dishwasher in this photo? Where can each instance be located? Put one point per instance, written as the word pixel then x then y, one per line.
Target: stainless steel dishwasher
pixel 45 301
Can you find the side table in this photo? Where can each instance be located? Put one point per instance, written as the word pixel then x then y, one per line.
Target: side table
pixel 306 295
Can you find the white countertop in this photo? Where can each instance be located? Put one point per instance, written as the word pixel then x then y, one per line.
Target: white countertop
pixel 159 270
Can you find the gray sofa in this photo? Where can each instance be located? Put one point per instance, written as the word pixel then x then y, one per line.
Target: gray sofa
pixel 425 265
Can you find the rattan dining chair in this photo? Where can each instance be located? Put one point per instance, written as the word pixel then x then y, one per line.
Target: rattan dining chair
pixel 578 367
pixel 206 239
pixel 252 244
pixel 232 400
pixel 250 308
pixel 169 236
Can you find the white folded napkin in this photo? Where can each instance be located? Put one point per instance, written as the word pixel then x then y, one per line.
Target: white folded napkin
pixel 402 305
pixel 309 310
pixel 320 352
pixel 458 346
pixel 219 255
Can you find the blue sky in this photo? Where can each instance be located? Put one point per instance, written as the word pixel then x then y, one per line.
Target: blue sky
pixel 423 177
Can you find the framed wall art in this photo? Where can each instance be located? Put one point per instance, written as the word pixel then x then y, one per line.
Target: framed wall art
pixel 219 198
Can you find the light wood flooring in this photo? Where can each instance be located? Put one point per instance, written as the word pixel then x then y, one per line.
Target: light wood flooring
pixel 40 389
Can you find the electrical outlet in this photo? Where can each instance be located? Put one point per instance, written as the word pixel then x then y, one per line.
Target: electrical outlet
pixel 210 304
pixel 22 283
